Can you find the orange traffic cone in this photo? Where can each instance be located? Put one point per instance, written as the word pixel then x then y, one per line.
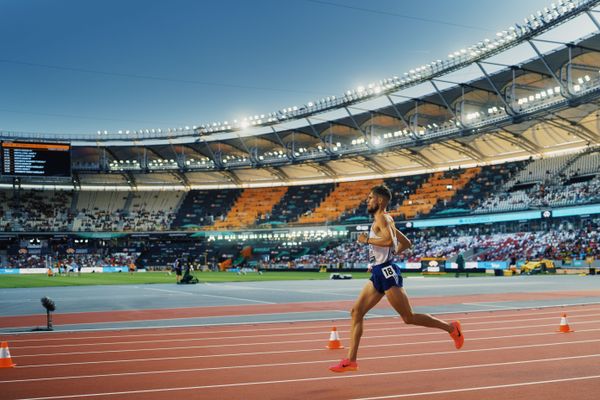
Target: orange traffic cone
pixel 564 325
pixel 5 360
pixel 334 340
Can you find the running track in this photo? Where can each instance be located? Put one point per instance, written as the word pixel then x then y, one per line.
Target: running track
pixel 513 354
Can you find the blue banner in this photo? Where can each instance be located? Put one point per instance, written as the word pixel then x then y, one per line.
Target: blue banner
pixel 9 270
pixel 578 210
pixel 114 269
pixel 477 219
pixel 492 264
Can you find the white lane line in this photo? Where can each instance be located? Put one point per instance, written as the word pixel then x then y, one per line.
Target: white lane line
pixel 476 388
pixel 341 325
pixel 288 351
pixel 443 285
pixel 325 378
pixel 354 290
pixel 237 298
pixel 369 336
pixel 211 295
pixel 487 305
pixel 170 291
pixel 243 366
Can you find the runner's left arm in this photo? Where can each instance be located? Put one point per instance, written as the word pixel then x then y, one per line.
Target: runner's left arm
pixel 403 242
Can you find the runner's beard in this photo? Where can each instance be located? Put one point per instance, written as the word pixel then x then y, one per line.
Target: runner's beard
pixel 373 210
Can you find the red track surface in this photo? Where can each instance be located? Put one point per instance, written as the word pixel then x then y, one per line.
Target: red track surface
pixel 507 355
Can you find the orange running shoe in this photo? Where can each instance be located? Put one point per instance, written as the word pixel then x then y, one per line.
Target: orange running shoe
pixel 344 366
pixel 457 335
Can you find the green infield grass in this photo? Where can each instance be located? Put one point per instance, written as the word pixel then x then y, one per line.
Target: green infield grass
pixel 124 278
pixel 142 278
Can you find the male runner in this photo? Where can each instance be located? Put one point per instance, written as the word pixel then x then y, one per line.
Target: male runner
pixel 386 280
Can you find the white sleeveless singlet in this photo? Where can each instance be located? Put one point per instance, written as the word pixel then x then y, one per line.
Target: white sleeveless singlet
pixel 381 254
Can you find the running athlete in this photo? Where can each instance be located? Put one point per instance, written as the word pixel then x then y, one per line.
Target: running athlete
pixel 384 239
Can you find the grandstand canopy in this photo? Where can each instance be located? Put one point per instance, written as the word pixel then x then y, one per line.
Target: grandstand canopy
pixel 543 106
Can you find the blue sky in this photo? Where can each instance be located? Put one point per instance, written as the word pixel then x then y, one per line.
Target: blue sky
pixel 73 66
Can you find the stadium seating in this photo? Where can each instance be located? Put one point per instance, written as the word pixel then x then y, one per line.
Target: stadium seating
pixel 586 164
pixel 438 187
pixel 345 197
pixel 530 184
pixel 566 180
pixel 251 205
pixel 203 207
pixel 298 201
pixel 541 171
pixel 490 180
pixel 35 210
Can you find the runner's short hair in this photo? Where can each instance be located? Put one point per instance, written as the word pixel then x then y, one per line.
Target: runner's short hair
pixel 383 191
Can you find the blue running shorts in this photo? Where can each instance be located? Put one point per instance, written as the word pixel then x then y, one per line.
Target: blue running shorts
pixel 385 275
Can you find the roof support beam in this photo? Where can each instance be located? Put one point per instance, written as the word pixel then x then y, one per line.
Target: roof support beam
pixel 589 134
pixel 250 154
pixel 517 67
pixel 196 151
pixel 130 179
pixel 465 149
pixel 370 162
pixel 361 130
pixel 325 146
pixel 509 108
pixel 565 90
pixel 444 101
pixel 216 161
pixel 519 140
pixel 594 20
pixel 288 154
pixel 182 177
pixel 399 114
pixel 232 176
pixel 278 172
pixel 325 169
pixel 464 85
pixel 567 127
pixel 420 100
pixel 416 156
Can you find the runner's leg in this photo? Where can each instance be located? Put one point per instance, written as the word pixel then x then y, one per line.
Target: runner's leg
pixel 399 300
pixel 367 299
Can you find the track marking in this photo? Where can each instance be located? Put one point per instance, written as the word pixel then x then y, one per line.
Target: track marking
pixel 324 378
pixel 471 389
pixel 288 351
pixel 228 367
pixel 263 289
pixel 488 305
pixel 572 315
pixel 169 291
pixel 238 298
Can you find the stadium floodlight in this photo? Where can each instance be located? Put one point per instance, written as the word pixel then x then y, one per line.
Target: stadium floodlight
pixel 536 24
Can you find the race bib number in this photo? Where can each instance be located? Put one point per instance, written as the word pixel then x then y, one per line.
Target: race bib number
pixel 388 272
